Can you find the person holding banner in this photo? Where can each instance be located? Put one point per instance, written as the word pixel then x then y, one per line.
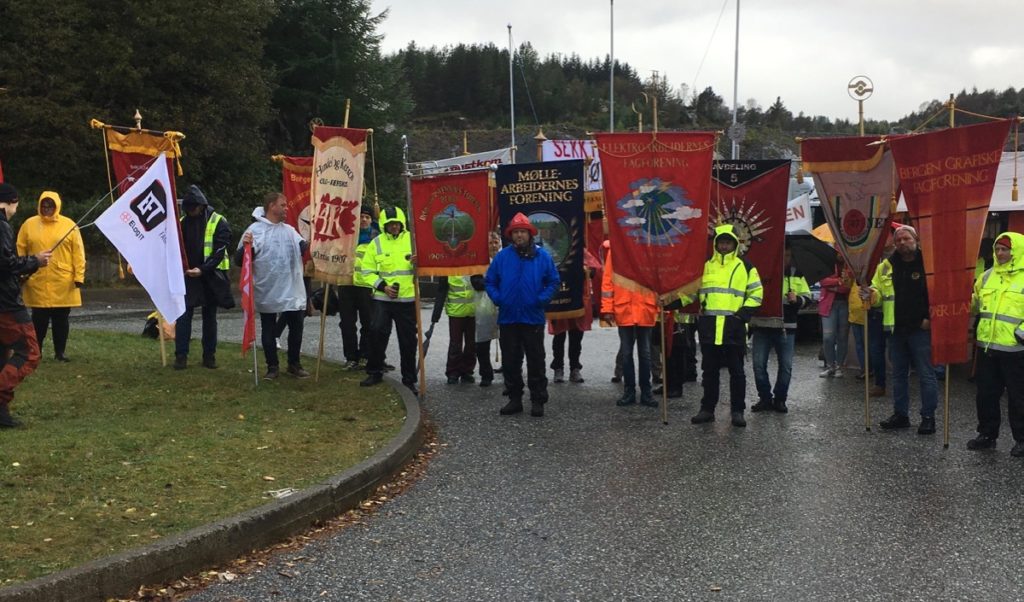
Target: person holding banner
pixel 635 314
pixel 205 238
pixel 899 287
pixel 277 250
pixel 999 303
pixel 388 264
pixel 456 296
pixel 729 295
pixel 17 334
pixel 355 301
pixel 52 291
pixel 521 281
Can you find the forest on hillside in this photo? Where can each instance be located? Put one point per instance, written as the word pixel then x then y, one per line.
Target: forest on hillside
pixel 244 79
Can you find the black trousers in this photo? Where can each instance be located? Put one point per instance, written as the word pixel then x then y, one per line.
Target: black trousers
pixel 461 346
pixel 269 323
pixel 518 341
pixel 403 314
pixel 355 304
pixel 483 358
pixel 682 362
pixel 41 319
pixel 1000 371
pixel 558 349
pixel 715 357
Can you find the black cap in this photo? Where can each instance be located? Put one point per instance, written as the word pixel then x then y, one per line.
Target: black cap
pixel 8 193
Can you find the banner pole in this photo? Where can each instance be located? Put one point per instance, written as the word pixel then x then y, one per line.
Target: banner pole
pixel 664 370
pixel 945 412
pixel 416 288
pixel 323 324
pixel 867 373
pixel 255 366
pixel 163 348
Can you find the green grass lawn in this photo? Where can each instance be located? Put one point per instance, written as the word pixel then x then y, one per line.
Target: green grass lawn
pixel 118 451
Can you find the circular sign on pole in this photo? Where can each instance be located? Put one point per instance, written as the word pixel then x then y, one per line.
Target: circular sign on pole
pixel 860 87
pixel 737 132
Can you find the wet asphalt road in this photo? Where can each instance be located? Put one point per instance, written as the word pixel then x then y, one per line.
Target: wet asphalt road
pixel 597 502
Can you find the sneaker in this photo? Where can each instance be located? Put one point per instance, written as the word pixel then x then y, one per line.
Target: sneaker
pixel 837 373
pixel 896 421
pixel 616 379
pixel 559 375
pixel 762 406
pixel 1018 450
pixel 927 426
pixel 486 382
pixel 272 373
pixel 467 379
pixel 781 407
pixel 453 380
pixel 981 442
pixel 574 376
pixel 627 399
pixel 876 391
pixel 388 367
pixel 649 401
pixel 860 375
pixel 297 371
pixel 536 410
pixel 514 406
pixel 352 365
pixel 412 387
pixel 738 420
pixel 210 361
pixel 827 372
pixel 180 362
pixel 6 420
pixel 703 416
pixel 371 379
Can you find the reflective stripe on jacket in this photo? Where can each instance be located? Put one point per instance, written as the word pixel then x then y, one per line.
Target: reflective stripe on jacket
pixel 885 294
pixel 459 302
pixel 729 294
pixel 358 278
pixel 999 301
pixel 630 308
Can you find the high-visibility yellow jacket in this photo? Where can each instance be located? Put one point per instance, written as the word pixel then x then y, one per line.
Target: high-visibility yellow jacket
pixel 386 260
pixel 729 294
pixel 357 267
pixel 999 301
pixel 53 285
pixel 459 302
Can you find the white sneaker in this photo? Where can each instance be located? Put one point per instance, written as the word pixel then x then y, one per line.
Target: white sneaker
pixel 827 372
pixel 838 373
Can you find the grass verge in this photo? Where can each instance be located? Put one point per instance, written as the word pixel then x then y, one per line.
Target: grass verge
pixel 118 451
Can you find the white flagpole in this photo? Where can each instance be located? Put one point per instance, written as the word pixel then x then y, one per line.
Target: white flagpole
pixel 611 69
pixel 735 81
pixel 511 93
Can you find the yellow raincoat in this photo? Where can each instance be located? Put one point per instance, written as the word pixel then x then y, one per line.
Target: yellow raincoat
pixel 53 285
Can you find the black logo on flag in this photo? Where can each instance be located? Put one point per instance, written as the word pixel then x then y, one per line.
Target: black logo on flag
pixel 150 206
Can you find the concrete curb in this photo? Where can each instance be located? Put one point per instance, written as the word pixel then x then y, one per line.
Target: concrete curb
pixel 122 574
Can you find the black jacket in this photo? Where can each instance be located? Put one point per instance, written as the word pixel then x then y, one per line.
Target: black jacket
pixel 12 268
pixel 214 286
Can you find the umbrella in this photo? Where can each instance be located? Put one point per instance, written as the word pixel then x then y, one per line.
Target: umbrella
pixel 824 233
pixel 811 257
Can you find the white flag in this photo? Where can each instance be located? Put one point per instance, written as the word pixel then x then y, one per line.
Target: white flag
pixel 141 224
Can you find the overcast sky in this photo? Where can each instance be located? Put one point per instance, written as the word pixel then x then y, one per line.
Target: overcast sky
pixel 805 52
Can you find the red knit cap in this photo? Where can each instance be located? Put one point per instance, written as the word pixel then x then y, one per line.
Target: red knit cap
pixel 520 222
pixel 1005 241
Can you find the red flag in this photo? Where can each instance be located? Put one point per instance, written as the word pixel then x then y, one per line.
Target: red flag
pixel 248 301
pixel 450 213
pixel 752 196
pixel 947 179
pixel 856 187
pixel 657 189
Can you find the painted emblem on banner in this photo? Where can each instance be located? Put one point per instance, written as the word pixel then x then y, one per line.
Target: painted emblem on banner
pixel 453 227
pixel 748 223
pixel 854 226
pixel 555 236
pixel 657 212
pixel 334 218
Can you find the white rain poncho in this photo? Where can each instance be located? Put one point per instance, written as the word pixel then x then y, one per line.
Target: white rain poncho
pixel 276 266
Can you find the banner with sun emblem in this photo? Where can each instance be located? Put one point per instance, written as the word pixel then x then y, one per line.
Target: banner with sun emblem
pixel 752 196
pixel 856 187
pixel 657 188
pixel 339 156
pixel 450 217
pixel 551 195
pixel 296 174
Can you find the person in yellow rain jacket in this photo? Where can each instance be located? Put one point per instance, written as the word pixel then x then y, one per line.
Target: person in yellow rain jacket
pixel 730 293
pixel 52 291
pixel 999 303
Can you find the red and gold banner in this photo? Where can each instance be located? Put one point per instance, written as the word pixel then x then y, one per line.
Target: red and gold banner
pixel 450 217
pixel 856 187
pixel 947 179
pixel 339 157
pixel 752 196
pixel 132 153
pixel 296 176
pixel 657 190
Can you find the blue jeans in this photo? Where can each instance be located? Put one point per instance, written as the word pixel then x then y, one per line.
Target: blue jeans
pixel 876 342
pixel 915 347
pixel 183 331
pixel 641 335
pixel 835 328
pixel 764 341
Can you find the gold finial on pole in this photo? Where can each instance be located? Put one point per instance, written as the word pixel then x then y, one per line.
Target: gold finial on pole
pixel 539 139
pixel 348 107
pixel 465 142
pixel 138 120
pixel 639 113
